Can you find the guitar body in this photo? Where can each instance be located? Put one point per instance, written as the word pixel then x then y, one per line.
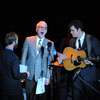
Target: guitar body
pixel 69 64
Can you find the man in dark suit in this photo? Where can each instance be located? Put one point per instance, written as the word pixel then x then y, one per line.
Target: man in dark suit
pixel 37 55
pixel 82 89
pixel 10 76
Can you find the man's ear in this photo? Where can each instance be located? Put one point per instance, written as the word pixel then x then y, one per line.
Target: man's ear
pixel 14 42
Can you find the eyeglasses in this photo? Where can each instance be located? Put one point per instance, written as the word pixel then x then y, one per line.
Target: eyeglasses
pixel 42 27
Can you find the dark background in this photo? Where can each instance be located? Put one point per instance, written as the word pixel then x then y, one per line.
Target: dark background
pixel 57 26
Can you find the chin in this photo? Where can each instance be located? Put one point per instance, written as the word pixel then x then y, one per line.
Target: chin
pixel 41 36
pixel 15 46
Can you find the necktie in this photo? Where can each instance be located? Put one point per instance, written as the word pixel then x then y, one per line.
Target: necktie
pixel 79 48
pixel 38 47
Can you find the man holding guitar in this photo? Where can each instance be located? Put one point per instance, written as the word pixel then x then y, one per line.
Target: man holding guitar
pixel 82 91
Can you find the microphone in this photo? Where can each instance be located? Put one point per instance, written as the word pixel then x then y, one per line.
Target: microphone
pixel 42 51
pixel 49 44
pixel 49 48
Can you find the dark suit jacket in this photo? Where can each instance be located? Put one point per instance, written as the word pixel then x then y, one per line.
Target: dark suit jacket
pixel 89 73
pixel 9 73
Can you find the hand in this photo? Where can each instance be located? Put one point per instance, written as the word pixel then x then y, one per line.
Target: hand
pixel 87 62
pixel 59 60
pixel 47 81
pixel 28 73
pixel 62 56
pixel 22 80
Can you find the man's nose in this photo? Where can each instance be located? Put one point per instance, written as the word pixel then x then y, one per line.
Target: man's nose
pixel 42 28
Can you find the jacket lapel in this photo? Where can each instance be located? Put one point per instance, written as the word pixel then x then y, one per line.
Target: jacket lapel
pixel 34 44
pixel 84 43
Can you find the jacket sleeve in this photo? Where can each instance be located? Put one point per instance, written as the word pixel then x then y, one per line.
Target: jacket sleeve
pixel 16 69
pixel 96 46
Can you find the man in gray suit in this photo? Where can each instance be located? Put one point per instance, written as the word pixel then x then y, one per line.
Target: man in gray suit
pixel 37 61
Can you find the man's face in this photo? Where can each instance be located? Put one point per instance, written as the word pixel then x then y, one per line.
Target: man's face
pixel 41 29
pixel 74 31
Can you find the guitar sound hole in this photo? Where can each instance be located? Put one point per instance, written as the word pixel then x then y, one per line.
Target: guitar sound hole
pixel 79 58
pixel 76 63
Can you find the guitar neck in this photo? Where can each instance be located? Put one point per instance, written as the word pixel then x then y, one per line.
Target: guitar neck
pixel 91 59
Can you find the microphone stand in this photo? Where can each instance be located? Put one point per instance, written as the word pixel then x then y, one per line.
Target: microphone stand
pixel 86 83
pixel 51 75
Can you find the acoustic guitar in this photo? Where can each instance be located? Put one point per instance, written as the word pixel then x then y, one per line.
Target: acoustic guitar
pixel 75 59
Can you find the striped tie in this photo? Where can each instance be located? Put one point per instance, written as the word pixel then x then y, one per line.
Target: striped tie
pixel 38 47
pixel 79 48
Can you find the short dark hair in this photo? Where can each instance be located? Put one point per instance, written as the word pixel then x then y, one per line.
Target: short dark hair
pixel 10 37
pixel 77 24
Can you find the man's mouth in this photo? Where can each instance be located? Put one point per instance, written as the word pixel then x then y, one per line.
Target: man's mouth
pixel 42 32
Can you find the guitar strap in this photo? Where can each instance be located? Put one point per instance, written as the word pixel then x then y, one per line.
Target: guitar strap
pixel 89 45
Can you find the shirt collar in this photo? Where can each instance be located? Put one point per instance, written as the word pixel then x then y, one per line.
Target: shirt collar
pixel 9 48
pixel 81 39
pixel 40 39
pixel 83 36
